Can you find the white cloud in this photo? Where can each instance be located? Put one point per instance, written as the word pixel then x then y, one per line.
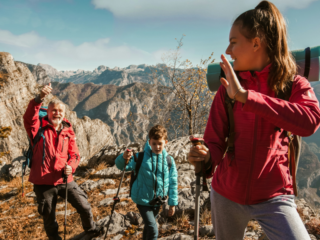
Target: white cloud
pixel 187 9
pixel 64 55
pixel 27 40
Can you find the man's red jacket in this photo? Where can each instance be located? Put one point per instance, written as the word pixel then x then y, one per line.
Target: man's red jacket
pixel 259 170
pixel 57 148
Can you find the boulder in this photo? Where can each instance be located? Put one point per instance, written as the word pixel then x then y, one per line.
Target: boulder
pixel 179 148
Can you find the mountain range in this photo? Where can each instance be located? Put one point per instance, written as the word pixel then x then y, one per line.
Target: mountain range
pixel 117 76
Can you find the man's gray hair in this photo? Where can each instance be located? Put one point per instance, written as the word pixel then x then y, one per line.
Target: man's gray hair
pixel 56 102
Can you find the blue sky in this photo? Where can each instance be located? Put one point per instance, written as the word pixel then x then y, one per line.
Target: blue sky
pixel 83 34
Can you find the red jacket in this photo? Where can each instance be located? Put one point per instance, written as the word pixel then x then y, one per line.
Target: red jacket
pixel 57 149
pixel 259 170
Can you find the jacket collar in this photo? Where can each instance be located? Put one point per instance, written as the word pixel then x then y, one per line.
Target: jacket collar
pixel 262 75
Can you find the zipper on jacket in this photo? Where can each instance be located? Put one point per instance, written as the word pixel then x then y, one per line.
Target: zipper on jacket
pixel 253 152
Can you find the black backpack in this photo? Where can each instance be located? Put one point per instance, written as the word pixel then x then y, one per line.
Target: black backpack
pixel 294 148
pixel 138 165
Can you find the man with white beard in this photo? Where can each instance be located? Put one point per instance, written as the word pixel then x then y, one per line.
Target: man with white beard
pixel 55 155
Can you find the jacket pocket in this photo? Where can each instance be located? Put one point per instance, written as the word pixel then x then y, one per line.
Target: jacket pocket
pixel 60 161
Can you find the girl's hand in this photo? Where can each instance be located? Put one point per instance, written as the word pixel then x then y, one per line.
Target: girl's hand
pixel 198 153
pixel 172 210
pixel 232 84
pixel 127 156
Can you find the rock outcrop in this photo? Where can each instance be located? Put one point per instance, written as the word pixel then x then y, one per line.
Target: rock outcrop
pixel 17 88
pixel 39 73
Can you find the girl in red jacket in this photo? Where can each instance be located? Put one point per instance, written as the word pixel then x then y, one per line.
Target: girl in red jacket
pixel 254 181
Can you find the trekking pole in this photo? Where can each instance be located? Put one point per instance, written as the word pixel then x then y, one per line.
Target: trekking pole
pixel 198 172
pixel 116 199
pixel 65 179
pixel 22 180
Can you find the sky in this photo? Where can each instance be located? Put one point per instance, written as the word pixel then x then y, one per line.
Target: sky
pixel 84 34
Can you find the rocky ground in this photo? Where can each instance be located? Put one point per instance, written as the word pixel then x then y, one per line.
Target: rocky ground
pixel 100 178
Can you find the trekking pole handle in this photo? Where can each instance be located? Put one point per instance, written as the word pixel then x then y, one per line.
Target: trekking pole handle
pixel 195 142
pixel 128 150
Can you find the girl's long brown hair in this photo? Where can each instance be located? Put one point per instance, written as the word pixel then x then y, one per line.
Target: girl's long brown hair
pixel 267 23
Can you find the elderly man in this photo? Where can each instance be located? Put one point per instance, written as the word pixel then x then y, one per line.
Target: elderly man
pixel 55 155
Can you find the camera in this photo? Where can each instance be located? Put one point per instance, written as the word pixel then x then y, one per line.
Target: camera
pixel 158 200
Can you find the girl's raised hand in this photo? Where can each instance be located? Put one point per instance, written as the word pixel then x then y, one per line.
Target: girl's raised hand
pixel 232 84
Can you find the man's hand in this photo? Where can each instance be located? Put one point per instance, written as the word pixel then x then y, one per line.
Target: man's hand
pixel 198 153
pixel 172 210
pixel 127 156
pixel 67 170
pixel 46 90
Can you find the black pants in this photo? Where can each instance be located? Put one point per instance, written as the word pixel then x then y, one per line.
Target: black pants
pixel 47 199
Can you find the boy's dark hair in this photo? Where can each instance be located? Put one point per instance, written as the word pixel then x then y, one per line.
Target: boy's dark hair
pixel 157 132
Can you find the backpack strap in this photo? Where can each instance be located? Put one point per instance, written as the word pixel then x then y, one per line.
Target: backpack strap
pixel 37 138
pixel 134 174
pixel 139 162
pixel 229 103
pixel 294 148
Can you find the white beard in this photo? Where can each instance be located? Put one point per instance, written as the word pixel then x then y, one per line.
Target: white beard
pixel 56 122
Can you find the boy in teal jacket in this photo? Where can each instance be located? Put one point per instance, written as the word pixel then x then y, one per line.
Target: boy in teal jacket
pixel 154 179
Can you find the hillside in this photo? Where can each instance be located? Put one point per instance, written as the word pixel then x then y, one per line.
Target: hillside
pixel 129 110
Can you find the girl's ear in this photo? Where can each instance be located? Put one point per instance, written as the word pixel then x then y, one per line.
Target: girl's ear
pixel 166 142
pixel 256 44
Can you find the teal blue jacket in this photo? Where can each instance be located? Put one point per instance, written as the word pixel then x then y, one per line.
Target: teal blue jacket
pixel 143 187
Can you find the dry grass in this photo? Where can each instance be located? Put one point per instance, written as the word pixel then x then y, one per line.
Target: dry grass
pixel 181 222
pixel 205 217
pixel 101 166
pixel 5 132
pixel 313 226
